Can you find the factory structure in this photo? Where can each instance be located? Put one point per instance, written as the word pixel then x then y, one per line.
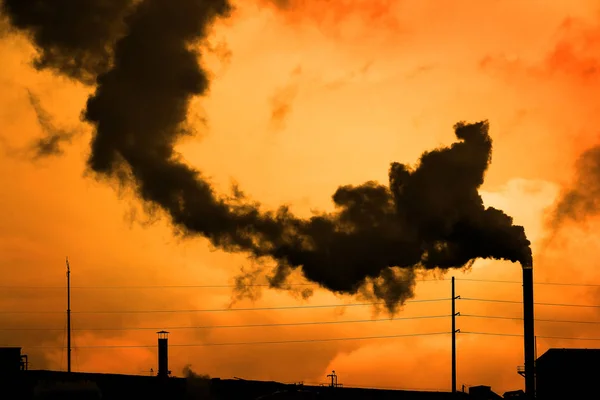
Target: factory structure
pixel 17 379
pixel 559 373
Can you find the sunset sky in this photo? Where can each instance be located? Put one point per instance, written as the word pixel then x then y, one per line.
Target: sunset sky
pixel 304 98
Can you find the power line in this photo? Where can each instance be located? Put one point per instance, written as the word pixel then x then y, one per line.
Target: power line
pixel 311 340
pixel 248 343
pixel 152 287
pixel 235 326
pixel 316 306
pixel 307 323
pixel 535 283
pixel 521 319
pixel 517 335
pixel 266 285
pixel 537 304
pixel 222 309
pixel 216 286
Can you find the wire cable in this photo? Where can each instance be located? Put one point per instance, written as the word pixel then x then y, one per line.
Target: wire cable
pixel 307 323
pixel 536 319
pixel 248 343
pixel 312 340
pixel 152 286
pixel 537 304
pixel 235 326
pixel 517 335
pixel 214 286
pixel 221 309
pixel 535 283
pixel 266 285
pixel 521 319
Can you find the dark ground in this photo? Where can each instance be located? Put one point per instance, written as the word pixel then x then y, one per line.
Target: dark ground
pixel 83 386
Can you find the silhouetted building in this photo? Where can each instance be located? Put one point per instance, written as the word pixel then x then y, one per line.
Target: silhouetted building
pixel 10 360
pixel 483 393
pixel 73 390
pixel 568 374
pixel 291 395
pixel 56 385
pixel 514 394
pixel 17 381
pixel 241 389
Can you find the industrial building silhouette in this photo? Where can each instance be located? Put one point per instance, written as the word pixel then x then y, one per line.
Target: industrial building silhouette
pixel 568 374
pixel 560 374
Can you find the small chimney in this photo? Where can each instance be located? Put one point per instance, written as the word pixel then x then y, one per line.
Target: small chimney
pixel 163 354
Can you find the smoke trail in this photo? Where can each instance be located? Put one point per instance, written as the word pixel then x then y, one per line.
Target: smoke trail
pixel 72 37
pixel 431 216
pixel 140 109
pixel 50 143
pixel 582 198
pixel 140 105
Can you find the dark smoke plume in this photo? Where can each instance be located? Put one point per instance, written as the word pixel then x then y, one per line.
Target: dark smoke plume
pixel 582 198
pixel 197 385
pixel 72 37
pixel 428 217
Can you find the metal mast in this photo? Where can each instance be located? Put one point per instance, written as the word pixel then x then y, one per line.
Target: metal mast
pixel 68 316
pixel 454 332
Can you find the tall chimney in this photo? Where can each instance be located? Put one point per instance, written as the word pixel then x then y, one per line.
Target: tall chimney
pixel 163 354
pixel 529 334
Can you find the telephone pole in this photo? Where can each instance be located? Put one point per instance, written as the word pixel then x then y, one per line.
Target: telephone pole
pixel 68 316
pixel 454 332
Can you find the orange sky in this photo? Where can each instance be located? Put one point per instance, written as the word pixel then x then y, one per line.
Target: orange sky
pixel 303 100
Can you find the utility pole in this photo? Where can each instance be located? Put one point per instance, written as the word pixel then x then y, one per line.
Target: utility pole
pixel 68 316
pixel 454 332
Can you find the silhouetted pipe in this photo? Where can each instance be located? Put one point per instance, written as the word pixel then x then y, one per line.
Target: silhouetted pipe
pixel 68 316
pixel 163 354
pixel 529 333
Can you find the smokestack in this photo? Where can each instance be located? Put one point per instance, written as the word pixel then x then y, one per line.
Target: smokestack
pixel 163 354
pixel 529 332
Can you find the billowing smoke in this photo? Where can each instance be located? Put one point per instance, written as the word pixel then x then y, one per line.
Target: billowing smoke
pixel 431 216
pixel 197 385
pixel 73 37
pixel 581 199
